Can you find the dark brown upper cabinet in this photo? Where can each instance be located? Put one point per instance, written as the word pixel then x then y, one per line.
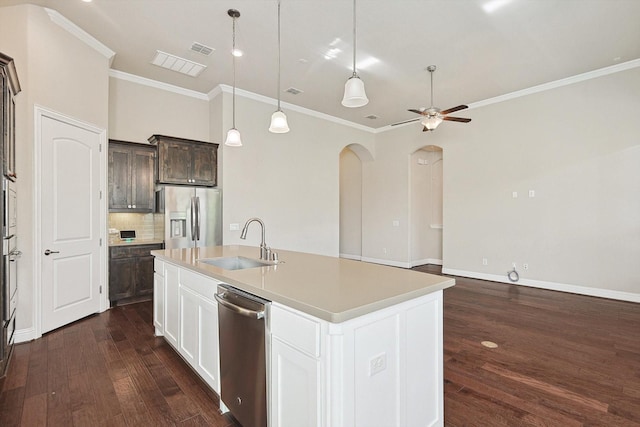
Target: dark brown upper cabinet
pixel 9 87
pixel 131 177
pixel 185 161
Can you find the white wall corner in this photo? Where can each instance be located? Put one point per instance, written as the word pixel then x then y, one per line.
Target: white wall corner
pixel 24 335
pixel 552 286
pixel 81 34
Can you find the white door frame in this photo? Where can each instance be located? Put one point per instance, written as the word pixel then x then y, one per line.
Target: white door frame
pixel 41 112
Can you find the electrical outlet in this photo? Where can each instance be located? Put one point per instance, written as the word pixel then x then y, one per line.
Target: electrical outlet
pixel 234 227
pixel 525 266
pixel 513 264
pixel 484 261
pixel 384 250
pixel 377 364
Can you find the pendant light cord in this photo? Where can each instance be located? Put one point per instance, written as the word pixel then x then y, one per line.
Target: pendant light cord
pixel 233 53
pixel 279 55
pixel 354 39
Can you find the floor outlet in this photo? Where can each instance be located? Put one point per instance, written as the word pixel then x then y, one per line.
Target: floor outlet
pixel 377 364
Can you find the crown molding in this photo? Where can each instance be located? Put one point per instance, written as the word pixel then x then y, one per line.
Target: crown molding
pixel 558 83
pixel 156 84
pixel 541 88
pixel 222 88
pixel 81 34
pixel 293 107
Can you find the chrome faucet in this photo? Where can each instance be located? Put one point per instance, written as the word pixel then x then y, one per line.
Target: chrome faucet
pixel 265 252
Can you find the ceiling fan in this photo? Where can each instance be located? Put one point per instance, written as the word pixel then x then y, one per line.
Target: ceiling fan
pixel 433 116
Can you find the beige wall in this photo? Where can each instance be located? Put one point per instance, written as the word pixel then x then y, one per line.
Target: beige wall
pixel 578 148
pixel 59 73
pixel 291 180
pixel 137 111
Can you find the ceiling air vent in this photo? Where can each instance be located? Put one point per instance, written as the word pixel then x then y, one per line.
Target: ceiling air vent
pixel 293 91
pixel 200 48
pixel 175 63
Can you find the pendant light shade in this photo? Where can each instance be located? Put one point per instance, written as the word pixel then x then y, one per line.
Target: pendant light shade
pixel 279 118
pixel 279 123
pixel 233 136
pixel 354 94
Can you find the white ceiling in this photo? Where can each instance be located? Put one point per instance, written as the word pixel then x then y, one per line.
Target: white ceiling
pixel 479 55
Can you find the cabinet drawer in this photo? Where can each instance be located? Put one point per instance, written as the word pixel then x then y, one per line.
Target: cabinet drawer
pixel 143 250
pixel 300 332
pixel 202 285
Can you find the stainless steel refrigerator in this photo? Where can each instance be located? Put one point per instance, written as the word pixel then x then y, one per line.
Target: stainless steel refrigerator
pixel 192 216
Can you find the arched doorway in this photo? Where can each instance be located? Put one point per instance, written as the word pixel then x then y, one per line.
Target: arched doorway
pixel 426 206
pixel 351 163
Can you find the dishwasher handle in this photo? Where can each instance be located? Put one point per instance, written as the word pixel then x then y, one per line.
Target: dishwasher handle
pixel 256 314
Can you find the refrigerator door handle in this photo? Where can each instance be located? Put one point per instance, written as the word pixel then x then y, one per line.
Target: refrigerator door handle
pixel 193 219
pixel 197 218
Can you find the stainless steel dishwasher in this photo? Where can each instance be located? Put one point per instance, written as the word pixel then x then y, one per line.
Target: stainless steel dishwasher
pixel 243 380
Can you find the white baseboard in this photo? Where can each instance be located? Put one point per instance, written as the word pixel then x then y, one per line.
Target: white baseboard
pixel 24 335
pixel 387 262
pixel 425 261
pixel 351 256
pixel 553 286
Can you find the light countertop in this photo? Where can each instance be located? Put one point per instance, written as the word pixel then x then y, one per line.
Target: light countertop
pixel 333 289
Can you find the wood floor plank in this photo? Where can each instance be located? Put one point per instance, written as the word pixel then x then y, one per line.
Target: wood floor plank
pixel 34 413
pixel 562 360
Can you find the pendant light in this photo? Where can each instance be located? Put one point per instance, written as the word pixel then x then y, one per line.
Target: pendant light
pixel 354 95
pixel 278 118
pixel 233 136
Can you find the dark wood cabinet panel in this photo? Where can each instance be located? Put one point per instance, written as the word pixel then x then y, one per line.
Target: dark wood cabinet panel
pixel 131 177
pixel 131 273
pixel 185 161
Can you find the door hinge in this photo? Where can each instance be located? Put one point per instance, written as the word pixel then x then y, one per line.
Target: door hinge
pixel 101 241
pixel 100 147
pixel 100 288
pixel 100 194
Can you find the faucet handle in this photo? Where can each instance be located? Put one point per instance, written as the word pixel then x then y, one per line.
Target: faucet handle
pixel 274 256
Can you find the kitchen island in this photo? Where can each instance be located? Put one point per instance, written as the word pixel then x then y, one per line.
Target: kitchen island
pixel 348 344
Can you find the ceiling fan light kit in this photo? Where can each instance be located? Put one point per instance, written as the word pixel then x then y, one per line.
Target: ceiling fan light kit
pixel 354 94
pixel 278 118
pixel 233 135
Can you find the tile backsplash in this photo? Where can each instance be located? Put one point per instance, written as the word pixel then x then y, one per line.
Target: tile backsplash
pixel 147 226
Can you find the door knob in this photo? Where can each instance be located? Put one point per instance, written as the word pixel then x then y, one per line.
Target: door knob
pixel 49 252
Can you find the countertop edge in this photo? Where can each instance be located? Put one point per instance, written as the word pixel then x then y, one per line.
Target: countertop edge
pixel 318 312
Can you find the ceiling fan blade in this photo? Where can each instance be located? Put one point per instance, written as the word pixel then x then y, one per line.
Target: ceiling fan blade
pixel 417 111
pixel 456 119
pixel 454 109
pixel 406 121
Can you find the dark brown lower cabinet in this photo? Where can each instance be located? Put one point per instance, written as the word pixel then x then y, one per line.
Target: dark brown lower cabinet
pixel 131 273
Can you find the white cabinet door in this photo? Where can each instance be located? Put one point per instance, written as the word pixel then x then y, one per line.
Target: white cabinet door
pixel 171 304
pixel 188 341
pixel 208 360
pixel 295 387
pixel 158 303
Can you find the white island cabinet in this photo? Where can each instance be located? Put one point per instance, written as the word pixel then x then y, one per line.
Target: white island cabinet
pixel 348 343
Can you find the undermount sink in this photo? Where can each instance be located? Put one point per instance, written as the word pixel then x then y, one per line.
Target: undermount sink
pixel 235 262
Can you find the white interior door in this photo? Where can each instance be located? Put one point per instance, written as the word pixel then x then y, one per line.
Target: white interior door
pixel 70 222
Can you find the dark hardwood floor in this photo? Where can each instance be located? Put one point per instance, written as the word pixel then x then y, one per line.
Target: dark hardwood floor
pixel 562 360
